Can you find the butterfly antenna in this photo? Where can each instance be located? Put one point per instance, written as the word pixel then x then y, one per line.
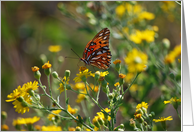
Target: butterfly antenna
pixel 75 53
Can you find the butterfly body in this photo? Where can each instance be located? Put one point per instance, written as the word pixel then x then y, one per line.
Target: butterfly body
pixel 96 52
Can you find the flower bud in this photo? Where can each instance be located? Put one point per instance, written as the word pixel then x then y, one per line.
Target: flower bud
pixel 68 87
pixel 20 99
pixel 120 129
pixel 3 115
pixel 36 71
pixel 117 65
pixel 111 96
pixel 132 123
pixel 83 78
pixel 78 128
pixel 31 92
pixel 67 73
pixel 100 120
pixel 122 126
pixel 153 114
pixel 121 78
pixel 43 58
pixel 24 104
pixel 95 122
pixel 37 96
pixel 97 75
pixel 60 59
pixel 55 74
pixel 166 43
pixel 47 71
pixel 144 110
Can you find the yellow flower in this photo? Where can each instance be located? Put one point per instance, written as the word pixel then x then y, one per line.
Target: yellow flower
pixel 79 86
pixel 137 116
pixel 173 54
pixel 107 110
pixel 54 48
pixel 51 128
pixel 172 100
pixel 94 88
pixel 52 116
pixel 71 110
pixel 82 76
pixel 136 61
pixel 81 96
pixel 121 75
pixel 120 10
pixel 161 119
pixel 31 120
pixel 30 86
pixel 146 15
pixel 4 127
pixel 137 9
pixel 117 61
pixel 142 105
pixel 37 127
pixel 35 68
pixel 71 129
pixel 16 94
pixel 46 65
pixel 102 74
pixel 116 84
pixel 155 28
pixel 20 106
pixel 129 76
pixel 133 88
pixel 19 121
pixel 139 36
pixel 61 87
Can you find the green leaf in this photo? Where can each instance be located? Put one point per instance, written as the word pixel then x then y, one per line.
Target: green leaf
pixel 67 101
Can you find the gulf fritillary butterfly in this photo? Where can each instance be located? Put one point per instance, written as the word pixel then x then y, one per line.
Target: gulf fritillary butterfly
pixel 96 52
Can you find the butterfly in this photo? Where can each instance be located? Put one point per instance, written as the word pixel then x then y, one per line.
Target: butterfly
pixel 97 52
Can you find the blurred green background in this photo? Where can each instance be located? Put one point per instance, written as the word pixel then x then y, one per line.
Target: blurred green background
pixel 28 28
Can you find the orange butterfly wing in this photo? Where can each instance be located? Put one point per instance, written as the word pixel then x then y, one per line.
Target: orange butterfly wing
pixel 97 51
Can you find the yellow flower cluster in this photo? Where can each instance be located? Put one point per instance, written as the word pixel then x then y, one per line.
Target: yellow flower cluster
pixel 139 36
pixel 101 118
pixel 172 100
pixel 142 105
pixel 21 121
pixel 127 8
pixel 21 96
pixel 53 116
pixel 51 128
pixel 135 10
pixel 71 110
pixel 173 54
pixel 54 48
pixel 61 87
pixel 162 119
pixel 136 62
pixel 82 75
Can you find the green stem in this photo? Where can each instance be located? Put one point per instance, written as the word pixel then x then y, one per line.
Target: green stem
pixel 96 102
pixel 178 114
pixel 48 77
pixel 141 125
pixel 131 83
pixel 65 94
pixel 178 2
pixel 84 108
pixel 98 93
